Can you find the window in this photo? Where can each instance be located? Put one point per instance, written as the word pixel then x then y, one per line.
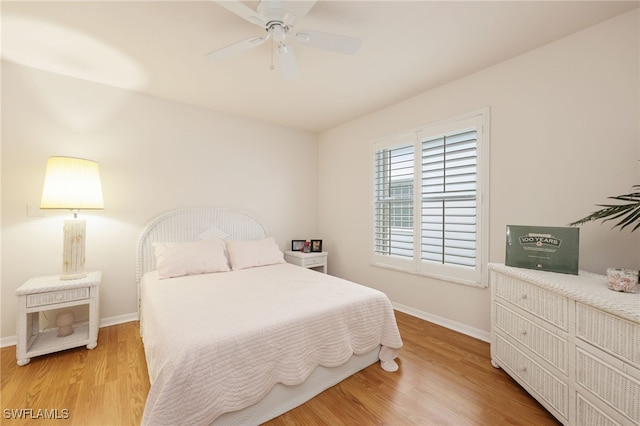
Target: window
pixel 394 201
pixel 430 200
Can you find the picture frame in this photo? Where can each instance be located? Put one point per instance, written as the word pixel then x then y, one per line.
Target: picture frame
pixel 316 246
pixel 297 245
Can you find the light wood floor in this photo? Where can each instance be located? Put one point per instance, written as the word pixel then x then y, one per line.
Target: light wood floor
pixel 445 378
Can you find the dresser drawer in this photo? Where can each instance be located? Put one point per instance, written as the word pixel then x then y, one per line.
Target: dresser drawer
pixel 614 387
pixel 549 346
pixel 548 306
pixel 41 299
pixel 550 388
pixel 609 332
pixel 589 414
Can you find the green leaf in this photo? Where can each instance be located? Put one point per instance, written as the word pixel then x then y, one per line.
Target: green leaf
pixel 627 213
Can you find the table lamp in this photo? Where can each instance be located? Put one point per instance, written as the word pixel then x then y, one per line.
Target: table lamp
pixel 74 184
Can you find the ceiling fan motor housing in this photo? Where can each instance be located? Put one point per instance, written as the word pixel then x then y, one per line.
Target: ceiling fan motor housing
pixel 278 30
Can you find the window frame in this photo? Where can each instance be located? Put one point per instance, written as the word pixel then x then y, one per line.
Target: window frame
pixel 477 276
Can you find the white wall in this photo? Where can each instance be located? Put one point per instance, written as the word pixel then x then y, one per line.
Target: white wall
pixel 154 155
pixel 565 134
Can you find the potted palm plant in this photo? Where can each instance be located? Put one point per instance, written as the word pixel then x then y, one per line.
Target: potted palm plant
pixel 628 215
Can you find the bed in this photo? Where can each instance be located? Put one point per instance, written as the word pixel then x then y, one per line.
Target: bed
pixel 234 335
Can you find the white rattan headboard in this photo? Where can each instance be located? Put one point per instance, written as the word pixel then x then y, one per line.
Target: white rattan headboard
pixel 192 224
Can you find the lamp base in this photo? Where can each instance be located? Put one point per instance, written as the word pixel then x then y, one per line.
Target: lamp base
pixel 73 250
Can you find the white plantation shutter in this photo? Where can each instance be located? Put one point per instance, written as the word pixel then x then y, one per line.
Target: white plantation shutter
pixel 393 216
pixel 428 211
pixel 449 166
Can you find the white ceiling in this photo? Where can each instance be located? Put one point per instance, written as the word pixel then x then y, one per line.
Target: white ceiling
pixel 408 47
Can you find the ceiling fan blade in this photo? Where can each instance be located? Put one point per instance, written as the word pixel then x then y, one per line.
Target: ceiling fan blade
pixel 298 9
pixel 334 42
pixel 242 10
pixel 235 48
pixel 287 62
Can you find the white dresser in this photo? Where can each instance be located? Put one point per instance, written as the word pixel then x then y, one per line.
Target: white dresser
pixel 568 340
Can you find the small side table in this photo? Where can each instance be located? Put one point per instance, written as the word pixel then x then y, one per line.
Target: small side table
pixel 317 261
pixel 41 294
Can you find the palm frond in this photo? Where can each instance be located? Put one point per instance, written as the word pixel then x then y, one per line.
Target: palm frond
pixel 628 213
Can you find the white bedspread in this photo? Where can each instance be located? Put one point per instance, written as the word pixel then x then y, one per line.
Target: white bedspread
pixel 218 342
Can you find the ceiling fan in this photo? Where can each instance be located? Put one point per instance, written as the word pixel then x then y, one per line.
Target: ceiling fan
pixel 277 18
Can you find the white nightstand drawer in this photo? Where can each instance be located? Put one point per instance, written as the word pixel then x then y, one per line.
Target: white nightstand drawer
pixel 40 299
pixel 313 261
pixel 308 260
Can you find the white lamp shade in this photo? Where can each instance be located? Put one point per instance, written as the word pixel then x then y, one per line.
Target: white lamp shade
pixel 71 183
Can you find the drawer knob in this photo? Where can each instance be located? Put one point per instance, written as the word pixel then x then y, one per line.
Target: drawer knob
pixel 524 296
pixel 523 332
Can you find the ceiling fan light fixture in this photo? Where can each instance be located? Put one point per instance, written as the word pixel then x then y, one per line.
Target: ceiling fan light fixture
pixel 287 61
pixel 278 32
pixel 283 49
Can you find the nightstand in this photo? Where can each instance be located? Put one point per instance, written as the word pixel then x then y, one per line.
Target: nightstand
pixel 41 294
pixel 317 261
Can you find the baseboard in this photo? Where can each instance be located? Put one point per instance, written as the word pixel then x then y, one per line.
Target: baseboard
pixel 8 341
pixel 118 319
pixel 104 322
pixel 445 322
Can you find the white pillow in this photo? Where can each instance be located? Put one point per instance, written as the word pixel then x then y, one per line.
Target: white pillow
pixel 248 254
pixel 199 257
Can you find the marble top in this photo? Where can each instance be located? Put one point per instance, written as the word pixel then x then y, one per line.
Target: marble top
pixel 590 289
pixel 49 283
